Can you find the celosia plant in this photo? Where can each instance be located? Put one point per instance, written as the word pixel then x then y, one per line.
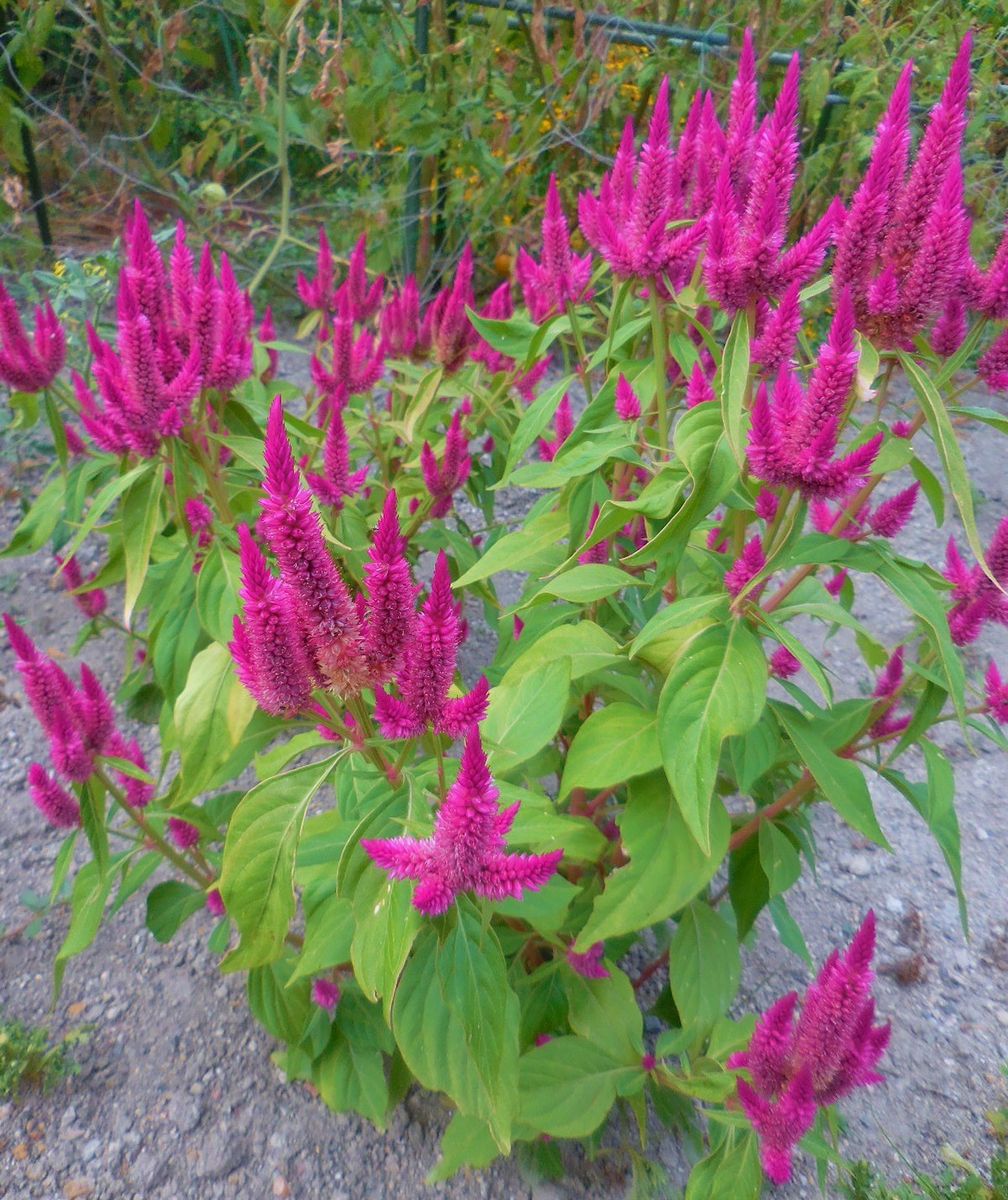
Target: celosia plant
pixel 458 855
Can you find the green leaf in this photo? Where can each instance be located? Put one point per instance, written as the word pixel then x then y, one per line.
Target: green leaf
pixel 328 932
pixel 605 1012
pixel 716 689
pixel 419 405
pixel 525 710
pixel 39 523
pixel 666 870
pixel 217 588
pixel 533 421
pixel 949 451
pixel 935 801
pixel 587 582
pixel 90 892
pixel 614 744
pixel 169 905
pixel 385 927
pixel 778 858
pixel 140 514
pixel 680 613
pixel 733 377
pixel 455 1020
pixel 704 965
pixel 211 715
pixel 257 876
pixel 839 779
pixel 284 1010
pixel 513 550
pixel 731 1172
pixel 568 1086
pixel 467 1142
pixel 102 503
pixel 586 645
pixel 350 1072
pixel 512 337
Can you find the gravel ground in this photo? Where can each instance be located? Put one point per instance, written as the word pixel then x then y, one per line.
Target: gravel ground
pixel 177 1096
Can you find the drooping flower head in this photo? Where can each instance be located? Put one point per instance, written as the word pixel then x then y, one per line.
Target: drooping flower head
pixel 57 805
pixel 467 849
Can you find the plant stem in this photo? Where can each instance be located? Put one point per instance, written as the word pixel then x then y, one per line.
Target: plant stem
pixel 580 347
pixel 783 802
pixel 282 164
pixel 658 346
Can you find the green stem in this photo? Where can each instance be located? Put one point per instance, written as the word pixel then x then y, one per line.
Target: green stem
pixel 658 346
pixel 580 347
pixel 617 312
pixel 282 165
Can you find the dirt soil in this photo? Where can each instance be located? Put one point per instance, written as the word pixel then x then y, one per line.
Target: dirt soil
pixel 177 1096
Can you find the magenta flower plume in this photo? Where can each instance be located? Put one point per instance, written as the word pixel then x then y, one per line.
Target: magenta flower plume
pixel 976 598
pixel 319 292
pixel 364 296
pixel 498 308
pixel 29 365
pixel 325 994
pixel 467 849
pixel 57 805
pixel 832 1049
pixel 316 593
pixel 783 663
pixel 991 286
pixel 698 388
pixel 746 567
pixel 356 361
pixel 336 482
pixel 388 626
pixel 627 404
pixel 183 834
pixel 446 328
pixel 49 690
pixel 91 601
pixel 993 365
pixel 588 965
pixel 776 343
pixel 599 553
pixel 560 277
pixel 444 479
pixel 766 505
pixel 215 903
pixel 627 222
pixel 400 321
pixel 887 687
pixel 271 655
pixel 892 516
pixel 996 691
pixel 563 427
pixel 428 671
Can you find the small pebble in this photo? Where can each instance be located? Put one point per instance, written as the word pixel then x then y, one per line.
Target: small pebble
pixel 857 865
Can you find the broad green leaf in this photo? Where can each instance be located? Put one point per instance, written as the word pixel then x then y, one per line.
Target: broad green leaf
pixel 467 1142
pixel 935 801
pixel 614 744
pixel 329 930
pixel 513 550
pixel 949 451
pixel 586 645
pixel 778 858
pixel 102 503
pixel 839 779
pixel 704 965
pixel 169 905
pixel 681 612
pixel 755 752
pixel 568 1086
pixel 587 582
pixel 455 1020
pixel 666 870
pixel 39 523
pixel 385 926
pixel 350 1072
pixel 716 689
pixel 731 1172
pixel 211 715
pixel 217 587
pixel 283 1009
pixel 420 402
pixel 140 514
pixel 90 892
pixel 605 1012
pixel 525 711
pixel 733 377
pixel 257 877
pixel 533 421
pixel 512 337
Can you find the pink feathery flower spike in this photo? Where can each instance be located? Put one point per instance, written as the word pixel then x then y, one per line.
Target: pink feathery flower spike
pixel 627 222
pixel 364 297
pixel 560 277
pixel 317 595
pixel 183 834
pixel 48 688
pixel 588 965
pixel 336 482
pixel 467 850
pixel 57 805
pixel 891 676
pixel 950 328
pixel 400 321
pixel 215 903
pixel 325 994
pixel 993 365
pixel 199 518
pixel 783 664
pixel 835 584
pixel 627 404
pixel 30 365
pixel 319 292
pixel 698 388
pixel 271 656
pixel 776 343
pixel 766 505
pixel 563 427
pixel 428 671
pixel 599 553
pixel 977 599
pixel 996 691
pixel 138 793
pixel 92 602
pixel 391 594
pixel 832 1049
pixel 892 516
pixel 444 479
pixel 356 361
pixel 746 567
pixel 446 328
